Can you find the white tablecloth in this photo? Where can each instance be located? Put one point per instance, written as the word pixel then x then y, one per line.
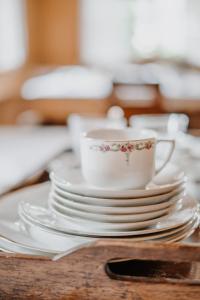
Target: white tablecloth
pixel 26 150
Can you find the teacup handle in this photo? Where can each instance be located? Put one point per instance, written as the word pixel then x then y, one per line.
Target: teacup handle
pixel 172 142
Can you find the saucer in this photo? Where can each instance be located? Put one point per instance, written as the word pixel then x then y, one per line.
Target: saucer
pixel 148 203
pixel 51 217
pixel 60 209
pixel 71 180
pixel 14 236
pixel 39 233
pixel 23 236
pixel 182 234
pixel 35 209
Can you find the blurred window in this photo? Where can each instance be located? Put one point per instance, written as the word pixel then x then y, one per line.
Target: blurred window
pixel 159 29
pixel 166 30
pixel 12 34
pixel 120 31
pixel 105 31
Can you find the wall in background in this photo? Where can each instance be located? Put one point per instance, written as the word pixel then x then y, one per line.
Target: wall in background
pixel 53 31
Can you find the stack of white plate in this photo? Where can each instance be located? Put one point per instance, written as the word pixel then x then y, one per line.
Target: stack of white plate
pixel 57 216
pixel 160 212
pixel 101 209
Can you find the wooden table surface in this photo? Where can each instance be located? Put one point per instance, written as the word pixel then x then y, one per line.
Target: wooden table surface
pixel 82 275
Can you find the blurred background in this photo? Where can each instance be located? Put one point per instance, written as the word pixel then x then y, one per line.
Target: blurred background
pixel 66 58
pixel 84 56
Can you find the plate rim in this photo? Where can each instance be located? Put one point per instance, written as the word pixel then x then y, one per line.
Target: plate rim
pixel 84 189
pixel 108 234
pixel 93 215
pixel 115 210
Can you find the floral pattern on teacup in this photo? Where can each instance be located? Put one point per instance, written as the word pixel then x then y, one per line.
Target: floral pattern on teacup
pixel 126 148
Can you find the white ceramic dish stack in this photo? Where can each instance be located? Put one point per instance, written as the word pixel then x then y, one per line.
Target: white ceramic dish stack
pixel 35 213
pixel 74 201
pixel 56 216
pixel 160 212
pixel 27 225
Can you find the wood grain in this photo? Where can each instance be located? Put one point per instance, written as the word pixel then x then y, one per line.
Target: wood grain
pixel 52 31
pixel 81 275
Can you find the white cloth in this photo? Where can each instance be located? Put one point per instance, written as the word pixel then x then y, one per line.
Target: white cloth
pixel 63 82
pixel 24 151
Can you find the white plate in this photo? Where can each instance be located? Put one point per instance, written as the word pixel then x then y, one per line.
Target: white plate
pixel 182 234
pixel 35 212
pixel 43 241
pixel 6 244
pixel 71 180
pixel 127 218
pixel 115 206
pixel 38 233
pixel 35 209
pixel 11 229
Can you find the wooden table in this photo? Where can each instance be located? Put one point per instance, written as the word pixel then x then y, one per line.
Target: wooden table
pixel 82 275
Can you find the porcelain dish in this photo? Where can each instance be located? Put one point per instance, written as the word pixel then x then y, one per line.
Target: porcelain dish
pixel 36 210
pixel 71 180
pixel 48 220
pixel 22 236
pixel 106 151
pixel 127 205
pixel 40 233
pixel 57 207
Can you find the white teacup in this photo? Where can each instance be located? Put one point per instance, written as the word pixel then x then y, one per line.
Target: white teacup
pixel 79 124
pixel 120 158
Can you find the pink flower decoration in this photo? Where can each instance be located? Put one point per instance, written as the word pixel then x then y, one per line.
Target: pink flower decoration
pixel 148 145
pixel 107 148
pixel 130 147
pixel 123 148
